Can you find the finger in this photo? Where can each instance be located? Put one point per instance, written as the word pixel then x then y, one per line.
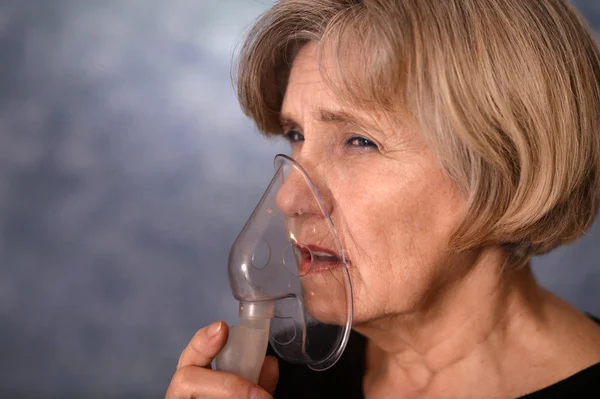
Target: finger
pixel 204 346
pixel 198 382
pixel 269 374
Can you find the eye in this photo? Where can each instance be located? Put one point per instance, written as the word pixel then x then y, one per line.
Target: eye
pixel 294 136
pixel 361 142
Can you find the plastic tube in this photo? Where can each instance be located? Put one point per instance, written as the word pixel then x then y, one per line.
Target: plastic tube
pixel 246 346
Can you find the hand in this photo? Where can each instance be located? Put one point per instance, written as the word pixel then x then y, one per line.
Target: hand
pixel 194 377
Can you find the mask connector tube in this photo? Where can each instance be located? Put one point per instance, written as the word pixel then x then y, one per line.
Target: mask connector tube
pixel 247 344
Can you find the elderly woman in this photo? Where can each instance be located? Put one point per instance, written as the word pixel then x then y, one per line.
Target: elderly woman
pixel 451 141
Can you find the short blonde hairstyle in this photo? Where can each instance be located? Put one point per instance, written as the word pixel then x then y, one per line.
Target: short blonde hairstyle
pixel 506 91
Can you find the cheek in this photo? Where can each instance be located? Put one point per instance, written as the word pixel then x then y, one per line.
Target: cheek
pixel 396 232
pixel 400 214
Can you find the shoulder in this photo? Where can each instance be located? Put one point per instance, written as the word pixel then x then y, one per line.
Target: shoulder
pixel 584 384
pixel 574 360
pixel 572 337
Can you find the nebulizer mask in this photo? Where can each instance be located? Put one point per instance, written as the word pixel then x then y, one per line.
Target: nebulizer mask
pixel 288 271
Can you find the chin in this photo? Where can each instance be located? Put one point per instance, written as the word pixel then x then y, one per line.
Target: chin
pixel 325 297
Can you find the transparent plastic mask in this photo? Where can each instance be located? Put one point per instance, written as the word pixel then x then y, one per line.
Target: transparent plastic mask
pixel 288 261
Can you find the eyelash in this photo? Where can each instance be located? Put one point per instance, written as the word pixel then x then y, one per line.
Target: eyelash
pixel 294 137
pixel 291 136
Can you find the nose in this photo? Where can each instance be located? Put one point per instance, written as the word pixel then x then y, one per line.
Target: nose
pixel 299 195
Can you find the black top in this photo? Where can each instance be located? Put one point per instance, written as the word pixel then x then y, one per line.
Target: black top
pixel 344 380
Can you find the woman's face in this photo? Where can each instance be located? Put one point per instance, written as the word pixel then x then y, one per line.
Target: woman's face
pixel 392 205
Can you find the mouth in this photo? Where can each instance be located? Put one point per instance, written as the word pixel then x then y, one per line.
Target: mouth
pixel 314 259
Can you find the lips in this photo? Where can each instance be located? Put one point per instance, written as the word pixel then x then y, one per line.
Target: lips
pixel 314 259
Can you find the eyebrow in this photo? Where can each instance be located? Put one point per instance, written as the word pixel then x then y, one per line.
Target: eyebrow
pixel 328 116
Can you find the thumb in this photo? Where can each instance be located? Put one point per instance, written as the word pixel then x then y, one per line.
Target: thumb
pixel 269 374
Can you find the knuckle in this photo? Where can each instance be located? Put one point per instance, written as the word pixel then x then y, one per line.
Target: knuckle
pixel 182 380
pixel 178 379
pixel 186 379
pixel 236 387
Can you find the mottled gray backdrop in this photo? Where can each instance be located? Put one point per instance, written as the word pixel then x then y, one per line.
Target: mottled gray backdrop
pixel 126 171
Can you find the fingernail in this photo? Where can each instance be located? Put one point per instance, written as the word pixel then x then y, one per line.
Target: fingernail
pixel 213 330
pixel 258 393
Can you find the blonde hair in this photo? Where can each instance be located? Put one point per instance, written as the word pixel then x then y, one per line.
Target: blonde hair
pixel 506 91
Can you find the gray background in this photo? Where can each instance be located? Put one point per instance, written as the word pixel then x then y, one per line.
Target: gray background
pixel 126 171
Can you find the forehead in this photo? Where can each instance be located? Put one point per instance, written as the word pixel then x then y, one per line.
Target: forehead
pixel 305 85
pixel 309 97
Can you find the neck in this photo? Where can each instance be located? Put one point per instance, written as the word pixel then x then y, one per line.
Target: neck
pixel 463 324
